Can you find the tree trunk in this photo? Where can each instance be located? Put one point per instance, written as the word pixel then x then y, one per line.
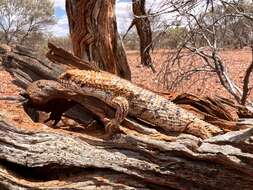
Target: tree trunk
pixel 143 27
pixel 142 24
pixel 93 30
pixel 34 156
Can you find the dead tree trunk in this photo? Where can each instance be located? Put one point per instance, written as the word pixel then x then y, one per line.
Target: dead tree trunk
pixel 142 24
pixel 34 156
pixel 93 30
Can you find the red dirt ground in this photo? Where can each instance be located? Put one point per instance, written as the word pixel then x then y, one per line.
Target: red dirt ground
pixel 237 61
pixel 6 86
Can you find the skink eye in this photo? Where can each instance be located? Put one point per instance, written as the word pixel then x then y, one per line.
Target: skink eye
pixel 67 76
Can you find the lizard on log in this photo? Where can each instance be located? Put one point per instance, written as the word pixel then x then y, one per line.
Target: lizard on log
pixel 128 98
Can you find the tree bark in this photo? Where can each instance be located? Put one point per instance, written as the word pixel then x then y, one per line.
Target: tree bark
pixel 93 30
pixel 142 24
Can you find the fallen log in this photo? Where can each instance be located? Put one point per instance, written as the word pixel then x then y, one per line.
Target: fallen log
pixel 34 155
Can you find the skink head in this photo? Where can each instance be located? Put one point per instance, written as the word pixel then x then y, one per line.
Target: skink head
pixel 70 74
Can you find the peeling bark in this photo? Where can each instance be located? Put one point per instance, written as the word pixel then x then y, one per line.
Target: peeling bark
pixel 93 30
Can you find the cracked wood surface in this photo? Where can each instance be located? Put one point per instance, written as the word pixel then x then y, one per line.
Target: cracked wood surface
pixel 35 156
pixel 127 161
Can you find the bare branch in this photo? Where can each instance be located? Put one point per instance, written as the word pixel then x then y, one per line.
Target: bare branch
pixel 246 81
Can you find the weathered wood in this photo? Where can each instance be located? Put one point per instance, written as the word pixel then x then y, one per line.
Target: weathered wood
pixel 58 158
pixel 93 30
pixel 33 155
pixel 60 56
pixel 26 69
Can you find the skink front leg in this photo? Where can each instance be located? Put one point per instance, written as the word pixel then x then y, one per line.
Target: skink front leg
pixel 122 106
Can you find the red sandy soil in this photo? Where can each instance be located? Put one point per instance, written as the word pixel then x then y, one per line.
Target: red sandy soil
pixel 6 86
pixel 237 62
